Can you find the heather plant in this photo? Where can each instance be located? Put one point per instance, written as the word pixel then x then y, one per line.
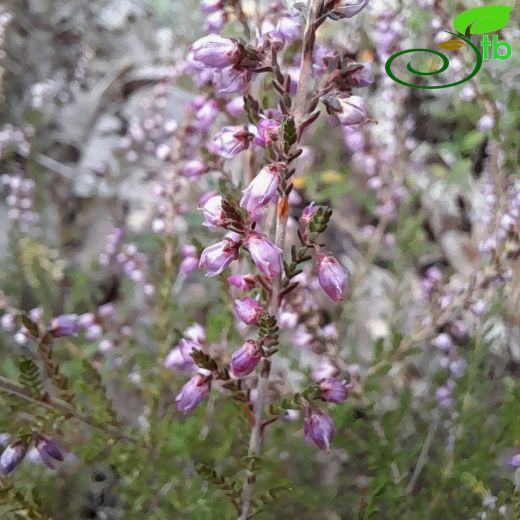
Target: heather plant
pixel 258 278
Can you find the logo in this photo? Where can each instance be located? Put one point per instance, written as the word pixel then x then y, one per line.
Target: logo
pixel 481 20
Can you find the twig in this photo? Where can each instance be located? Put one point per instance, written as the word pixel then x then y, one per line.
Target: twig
pixel 423 456
pixel 51 403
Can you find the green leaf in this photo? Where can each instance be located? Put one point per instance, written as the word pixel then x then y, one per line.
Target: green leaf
pixel 30 376
pixel 252 109
pixel 288 132
pixel 482 20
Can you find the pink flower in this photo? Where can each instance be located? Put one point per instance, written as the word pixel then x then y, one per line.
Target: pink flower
pixel 245 359
pixel 443 341
pixel 212 212
pixel 290 27
pixel 189 264
pixel 210 6
pixel 249 310
pixel 274 40
pixel 308 213
pixel 196 333
pixel 206 114
pixel 261 190
pixel 192 393
pixel 64 325
pixel 514 461
pixel 176 359
pixel 348 110
pixel 179 357
pixel 216 51
pixel 235 107
pixel 244 282
pixel 363 76
pixel 231 80
pixel 188 250
pixel 11 457
pixel 266 132
pixel 215 21
pixel 217 257
pixel 348 8
pixel 318 428
pixel 266 256
pixel 354 139
pixel 353 111
pixel 229 142
pixel 334 390
pixel 48 450
pixel 332 277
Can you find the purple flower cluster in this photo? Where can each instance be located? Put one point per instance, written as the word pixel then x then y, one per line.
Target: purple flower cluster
pixel 14 454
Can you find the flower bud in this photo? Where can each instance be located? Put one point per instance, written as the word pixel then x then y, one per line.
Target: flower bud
pixel 261 189
pixel 217 257
pixel 348 110
pixel 266 256
pixel 266 132
pixel 188 250
pixel 94 331
pixel 334 390
pixel 180 356
pixel 249 310
pixel 210 6
pixel 229 142
pixel 235 107
pixel 514 461
pixel 212 212
pixel 274 40
pixel 332 277
pixel 189 264
pixel 216 51
pixel 443 394
pixel 106 310
pixel 231 80
pixel 290 27
pixel 86 320
pixel 443 341
pixel 194 168
pixel 48 450
pixel 11 457
pixel 363 76
pixel 352 112
pixel 64 325
pixel 175 359
pixel 206 114
pixel 318 428
pixel 308 213
pixel 192 393
pixel 196 333
pixel 244 282
pixel 245 359
pixel 348 8
pixel 215 21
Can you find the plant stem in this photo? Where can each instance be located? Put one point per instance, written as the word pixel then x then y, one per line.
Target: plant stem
pixel 255 439
pixel 306 62
pixel 10 387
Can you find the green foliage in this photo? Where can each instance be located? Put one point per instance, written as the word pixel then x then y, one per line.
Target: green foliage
pixel 30 376
pixel 288 132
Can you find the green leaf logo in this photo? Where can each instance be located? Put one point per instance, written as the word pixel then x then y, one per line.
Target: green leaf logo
pixel 482 20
